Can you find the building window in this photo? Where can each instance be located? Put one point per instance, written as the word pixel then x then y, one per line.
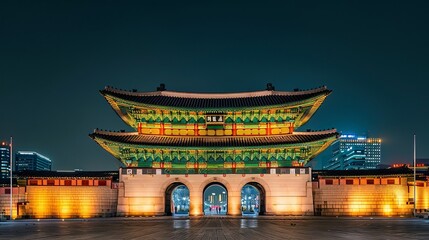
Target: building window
pixel 349 181
pixel 102 183
pixel 85 182
pixel 7 191
pixel 390 181
pixel 50 182
pixel 370 181
pixel 329 181
pixel 67 182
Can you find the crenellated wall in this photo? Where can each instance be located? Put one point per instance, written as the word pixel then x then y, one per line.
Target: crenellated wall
pixel 61 198
pixel 284 191
pixel 368 196
pixel 70 202
pixel 18 198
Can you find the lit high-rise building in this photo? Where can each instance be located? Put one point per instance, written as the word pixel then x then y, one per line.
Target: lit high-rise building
pixel 351 159
pixel 4 160
pixel 352 151
pixel 26 160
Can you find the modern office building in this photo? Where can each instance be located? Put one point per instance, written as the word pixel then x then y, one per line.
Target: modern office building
pixel 352 151
pixel 350 159
pixel 28 160
pixel 4 160
pixel 217 148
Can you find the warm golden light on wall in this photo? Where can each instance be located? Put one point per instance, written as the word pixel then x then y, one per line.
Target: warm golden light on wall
pixel 69 201
pixel 143 206
pixel 234 205
pixel 291 205
pixel 65 207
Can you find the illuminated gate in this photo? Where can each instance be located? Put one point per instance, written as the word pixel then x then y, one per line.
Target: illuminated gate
pixel 180 201
pixel 250 200
pixel 177 200
pixel 215 200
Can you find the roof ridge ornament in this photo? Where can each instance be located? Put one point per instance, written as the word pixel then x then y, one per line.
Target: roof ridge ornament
pixel 161 87
pixel 270 87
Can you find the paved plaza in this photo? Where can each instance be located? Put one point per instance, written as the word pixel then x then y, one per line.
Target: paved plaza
pixel 218 228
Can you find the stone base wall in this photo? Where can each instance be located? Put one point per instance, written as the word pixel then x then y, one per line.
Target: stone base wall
pixel 70 202
pixel 285 194
pixel 354 197
pixel 18 198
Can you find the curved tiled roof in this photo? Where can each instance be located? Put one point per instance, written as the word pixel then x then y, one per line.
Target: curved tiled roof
pixel 224 141
pixel 364 172
pixel 215 100
pixel 66 174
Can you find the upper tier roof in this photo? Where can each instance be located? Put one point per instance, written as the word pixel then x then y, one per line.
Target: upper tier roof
pixel 215 100
pixel 224 141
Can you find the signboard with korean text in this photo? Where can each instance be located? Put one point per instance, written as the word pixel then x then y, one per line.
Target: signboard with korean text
pixel 215 119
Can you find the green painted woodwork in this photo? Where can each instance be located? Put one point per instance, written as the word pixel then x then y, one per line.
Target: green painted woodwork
pixel 133 113
pixel 251 157
pixel 221 160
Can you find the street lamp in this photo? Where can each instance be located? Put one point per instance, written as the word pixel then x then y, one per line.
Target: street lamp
pixel 11 187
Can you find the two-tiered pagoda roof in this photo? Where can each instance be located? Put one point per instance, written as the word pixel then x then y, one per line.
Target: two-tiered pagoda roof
pixel 180 129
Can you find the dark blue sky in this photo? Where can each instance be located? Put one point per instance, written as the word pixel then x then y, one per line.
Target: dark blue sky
pixel 56 55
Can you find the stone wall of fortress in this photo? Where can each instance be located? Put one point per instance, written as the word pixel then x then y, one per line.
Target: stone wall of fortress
pixel 51 198
pixel 369 196
pixel 291 193
pixel 285 194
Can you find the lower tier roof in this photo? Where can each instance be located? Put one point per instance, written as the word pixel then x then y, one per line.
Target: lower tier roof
pixel 212 141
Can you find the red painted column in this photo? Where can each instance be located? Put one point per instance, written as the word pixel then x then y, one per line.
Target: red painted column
pixel 139 128
pixel 161 131
pixel 268 128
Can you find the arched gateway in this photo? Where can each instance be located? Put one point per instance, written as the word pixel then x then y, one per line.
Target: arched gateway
pixel 177 200
pixel 253 199
pixel 215 199
pixel 195 136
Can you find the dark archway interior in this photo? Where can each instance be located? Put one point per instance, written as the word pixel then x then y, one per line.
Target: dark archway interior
pixel 168 193
pixel 262 210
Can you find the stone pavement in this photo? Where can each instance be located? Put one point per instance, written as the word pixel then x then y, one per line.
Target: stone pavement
pixel 220 227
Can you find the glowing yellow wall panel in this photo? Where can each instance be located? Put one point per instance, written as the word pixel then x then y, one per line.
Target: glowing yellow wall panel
pixel 349 197
pixel 70 201
pixel 284 130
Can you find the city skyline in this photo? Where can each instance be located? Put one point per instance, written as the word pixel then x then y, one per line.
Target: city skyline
pixel 57 56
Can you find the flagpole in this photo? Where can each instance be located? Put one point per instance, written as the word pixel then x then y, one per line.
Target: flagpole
pixel 11 187
pixel 415 176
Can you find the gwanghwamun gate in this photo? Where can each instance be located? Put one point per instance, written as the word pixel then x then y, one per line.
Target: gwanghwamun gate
pixel 215 154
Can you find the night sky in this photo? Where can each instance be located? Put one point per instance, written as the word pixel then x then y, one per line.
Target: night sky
pixel 55 56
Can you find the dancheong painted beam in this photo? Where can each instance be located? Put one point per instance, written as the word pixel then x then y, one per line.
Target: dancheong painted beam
pixel 215 132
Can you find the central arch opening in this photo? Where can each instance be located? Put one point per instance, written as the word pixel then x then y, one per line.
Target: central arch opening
pixel 177 200
pixel 215 198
